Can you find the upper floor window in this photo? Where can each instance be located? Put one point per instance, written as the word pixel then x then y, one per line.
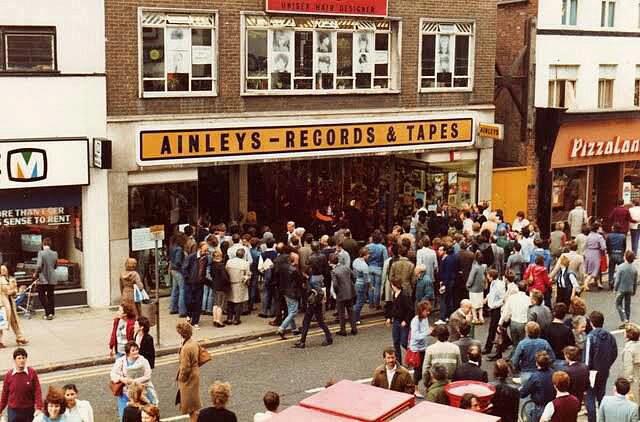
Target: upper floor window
pixel 570 12
pixel 562 86
pixel 446 56
pixel 636 90
pixel 607 76
pixel 287 55
pixel 177 54
pixel 608 13
pixel 28 48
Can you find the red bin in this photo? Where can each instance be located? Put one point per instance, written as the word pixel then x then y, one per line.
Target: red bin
pixel 482 390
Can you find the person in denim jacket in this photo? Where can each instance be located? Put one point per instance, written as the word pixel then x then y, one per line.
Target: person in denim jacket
pixel 377 255
pixel 361 272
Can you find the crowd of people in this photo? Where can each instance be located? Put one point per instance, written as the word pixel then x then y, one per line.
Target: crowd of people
pixel 466 267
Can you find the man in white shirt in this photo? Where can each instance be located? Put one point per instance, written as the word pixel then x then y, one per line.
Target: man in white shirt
pixel 414 218
pixel 634 228
pixel 520 222
pixel 577 218
pixel 271 402
pixel 77 410
pixel 291 227
pixel 238 244
pixel 516 310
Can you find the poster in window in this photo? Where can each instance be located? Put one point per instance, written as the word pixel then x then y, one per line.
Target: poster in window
pixel 202 54
pixel 281 41
pixel 362 53
pixel 382 57
pixel 178 39
pixel 323 42
pixel 324 63
pixel 178 61
pixel 444 54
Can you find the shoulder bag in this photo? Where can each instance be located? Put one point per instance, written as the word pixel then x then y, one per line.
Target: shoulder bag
pixel 203 356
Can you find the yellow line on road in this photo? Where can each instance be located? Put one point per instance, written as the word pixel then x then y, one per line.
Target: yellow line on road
pixel 171 359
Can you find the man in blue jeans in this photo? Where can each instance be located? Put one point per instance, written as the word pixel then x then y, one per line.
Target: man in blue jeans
pixel 196 269
pixel 377 255
pixel 176 259
pixel 601 351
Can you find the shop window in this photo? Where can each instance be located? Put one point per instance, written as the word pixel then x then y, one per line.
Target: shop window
pixel 446 57
pixel 286 55
pixel 172 205
pixel 27 218
pixel 605 86
pixel 569 185
pixel 28 49
pixel 562 86
pixel 177 54
pixel 607 13
pixel 570 12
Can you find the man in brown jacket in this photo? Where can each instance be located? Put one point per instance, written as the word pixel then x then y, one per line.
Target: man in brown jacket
pixel 402 270
pixel 392 376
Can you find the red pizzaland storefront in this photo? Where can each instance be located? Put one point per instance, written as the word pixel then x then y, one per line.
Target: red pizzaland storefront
pixel 596 160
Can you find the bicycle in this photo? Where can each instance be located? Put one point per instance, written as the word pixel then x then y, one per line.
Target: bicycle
pixel 525 409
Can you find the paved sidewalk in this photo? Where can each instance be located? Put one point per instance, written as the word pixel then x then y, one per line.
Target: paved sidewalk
pixel 79 337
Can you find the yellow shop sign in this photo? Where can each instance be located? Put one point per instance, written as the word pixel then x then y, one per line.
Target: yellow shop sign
pixel 157 147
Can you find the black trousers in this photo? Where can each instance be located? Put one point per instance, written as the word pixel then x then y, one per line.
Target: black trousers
pixel 493 328
pixel 47 298
pixel 193 300
pixel 315 309
pixel 346 306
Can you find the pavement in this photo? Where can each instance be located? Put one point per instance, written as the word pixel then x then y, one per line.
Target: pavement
pixel 79 337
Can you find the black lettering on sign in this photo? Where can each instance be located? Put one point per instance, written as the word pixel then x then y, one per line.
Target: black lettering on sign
pixel 224 141
pixel 344 136
pixel 443 130
pixel 371 135
pixel 240 138
pixel 166 145
pixel 304 138
pixel 410 129
pixel 179 144
pixel 207 142
pixel 432 130
pixel 357 136
pixel 290 137
pixel 331 137
pixel 454 130
pixel 255 140
pixel 194 143
pixel 317 137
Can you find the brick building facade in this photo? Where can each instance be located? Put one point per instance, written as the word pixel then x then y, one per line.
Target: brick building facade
pixel 246 127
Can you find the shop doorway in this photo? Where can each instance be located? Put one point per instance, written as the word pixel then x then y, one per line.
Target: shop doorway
pixel 607 189
pixel 213 193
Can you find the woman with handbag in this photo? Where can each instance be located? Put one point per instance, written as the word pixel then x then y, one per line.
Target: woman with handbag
pixel 188 376
pixel 129 280
pixel 128 371
pixel 8 290
pixel 414 357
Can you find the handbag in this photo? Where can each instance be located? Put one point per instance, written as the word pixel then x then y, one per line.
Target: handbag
pixel 604 263
pixel 116 388
pixel 203 356
pixel 411 358
pixel 139 295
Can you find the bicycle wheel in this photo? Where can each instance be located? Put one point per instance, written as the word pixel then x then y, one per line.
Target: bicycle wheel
pixel 525 410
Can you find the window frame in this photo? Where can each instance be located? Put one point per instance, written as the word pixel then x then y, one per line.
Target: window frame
pixel 394 59
pixel 472 55
pixel 607 80
pixel 556 80
pixel 605 17
pixel 636 87
pixel 565 15
pixel 31 31
pixel 214 44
